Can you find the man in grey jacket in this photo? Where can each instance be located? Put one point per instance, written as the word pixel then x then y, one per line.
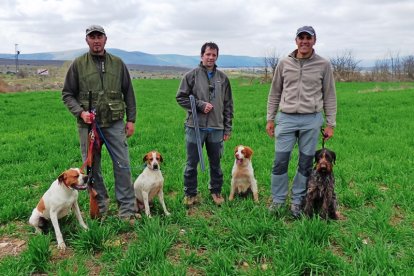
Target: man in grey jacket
pixel 214 103
pixel 302 90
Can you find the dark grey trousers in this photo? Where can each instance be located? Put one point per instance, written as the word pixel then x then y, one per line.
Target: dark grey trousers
pixel 116 140
pixel 213 141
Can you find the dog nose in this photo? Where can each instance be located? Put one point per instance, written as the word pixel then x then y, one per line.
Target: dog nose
pixel 155 166
pixel 85 179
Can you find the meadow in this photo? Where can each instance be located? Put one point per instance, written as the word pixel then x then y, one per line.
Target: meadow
pixel 374 179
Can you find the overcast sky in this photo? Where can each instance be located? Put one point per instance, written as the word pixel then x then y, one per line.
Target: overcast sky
pixel 371 29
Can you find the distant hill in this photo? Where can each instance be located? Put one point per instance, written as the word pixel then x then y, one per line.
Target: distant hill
pixel 141 58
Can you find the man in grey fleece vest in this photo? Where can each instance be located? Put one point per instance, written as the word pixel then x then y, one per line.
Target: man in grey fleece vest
pixel 303 89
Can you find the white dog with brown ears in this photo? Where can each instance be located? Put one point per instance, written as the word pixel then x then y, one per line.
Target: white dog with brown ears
pixel 242 180
pixel 58 200
pixel 150 183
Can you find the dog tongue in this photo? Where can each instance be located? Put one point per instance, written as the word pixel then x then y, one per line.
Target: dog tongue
pixel 80 187
pixel 239 161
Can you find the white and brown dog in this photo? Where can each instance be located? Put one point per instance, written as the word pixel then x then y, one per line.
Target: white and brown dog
pixel 58 200
pixel 243 181
pixel 150 183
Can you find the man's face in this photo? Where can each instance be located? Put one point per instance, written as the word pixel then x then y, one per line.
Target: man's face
pixel 305 43
pixel 209 58
pixel 96 42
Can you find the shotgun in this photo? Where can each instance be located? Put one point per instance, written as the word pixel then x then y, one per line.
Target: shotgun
pixel 93 202
pixel 197 133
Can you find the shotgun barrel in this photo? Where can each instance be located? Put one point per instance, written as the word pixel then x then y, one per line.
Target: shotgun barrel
pixel 93 202
pixel 197 132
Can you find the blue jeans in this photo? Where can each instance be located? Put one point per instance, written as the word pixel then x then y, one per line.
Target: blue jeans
pixel 290 129
pixel 213 141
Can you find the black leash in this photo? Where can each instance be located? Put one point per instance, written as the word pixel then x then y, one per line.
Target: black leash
pixel 323 137
pixel 111 153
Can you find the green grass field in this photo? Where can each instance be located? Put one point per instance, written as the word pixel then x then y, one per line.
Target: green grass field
pixel 374 179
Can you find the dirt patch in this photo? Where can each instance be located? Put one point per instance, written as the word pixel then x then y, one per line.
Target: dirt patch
pixel 398 217
pixel 4 87
pixel 11 246
pixel 378 89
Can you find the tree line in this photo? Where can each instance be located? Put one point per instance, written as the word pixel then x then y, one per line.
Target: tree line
pixel 347 68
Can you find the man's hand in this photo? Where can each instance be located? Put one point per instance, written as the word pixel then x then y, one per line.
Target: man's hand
pixel 87 117
pixel 270 128
pixel 129 129
pixel 328 133
pixel 226 137
pixel 208 108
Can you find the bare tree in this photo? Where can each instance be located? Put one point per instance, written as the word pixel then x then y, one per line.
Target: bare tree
pixel 393 68
pixel 345 66
pixel 271 60
pixel 266 66
pixel 408 67
pixel 395 65
pixel 381 70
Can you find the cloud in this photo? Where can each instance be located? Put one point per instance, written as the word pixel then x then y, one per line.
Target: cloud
pixel 370 28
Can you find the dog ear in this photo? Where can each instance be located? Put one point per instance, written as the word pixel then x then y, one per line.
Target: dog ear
pixel 145 158
pixel 248 152
pixel 333 157
pixel 236 148
pixel 161 159
pixel 61 177
pixel 317 155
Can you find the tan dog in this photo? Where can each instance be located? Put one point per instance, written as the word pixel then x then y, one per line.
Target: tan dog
pixel 58 200
pixel 150 183
pixel 243 181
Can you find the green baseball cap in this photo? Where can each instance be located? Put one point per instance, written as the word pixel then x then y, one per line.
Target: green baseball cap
pixel 95 28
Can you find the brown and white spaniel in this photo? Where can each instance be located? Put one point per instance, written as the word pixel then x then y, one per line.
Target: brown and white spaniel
pixel 58 200
pixel 150 183
pixel 243 181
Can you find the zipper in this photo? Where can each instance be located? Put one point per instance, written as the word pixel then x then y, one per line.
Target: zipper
pixel 300 81
pixel 209 93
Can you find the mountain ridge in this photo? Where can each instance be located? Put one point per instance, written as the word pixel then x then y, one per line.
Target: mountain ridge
pixel 141 58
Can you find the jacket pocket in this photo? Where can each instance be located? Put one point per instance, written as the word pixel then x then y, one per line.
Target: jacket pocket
pixel 117 111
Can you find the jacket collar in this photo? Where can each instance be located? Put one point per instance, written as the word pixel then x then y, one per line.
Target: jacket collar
pixel 205 68
pixel 294 53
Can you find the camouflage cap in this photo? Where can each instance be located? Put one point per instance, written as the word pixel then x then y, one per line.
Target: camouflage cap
pixel 95 28
pixel 306 29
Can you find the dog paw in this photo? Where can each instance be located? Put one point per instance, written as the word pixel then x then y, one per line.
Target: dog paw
pixel 167 214
pixel 62 246
pixel 339 216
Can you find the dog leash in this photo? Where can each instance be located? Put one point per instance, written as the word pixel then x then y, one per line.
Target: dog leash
pixel 109 148
pixel 323 137
pixel 110 151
